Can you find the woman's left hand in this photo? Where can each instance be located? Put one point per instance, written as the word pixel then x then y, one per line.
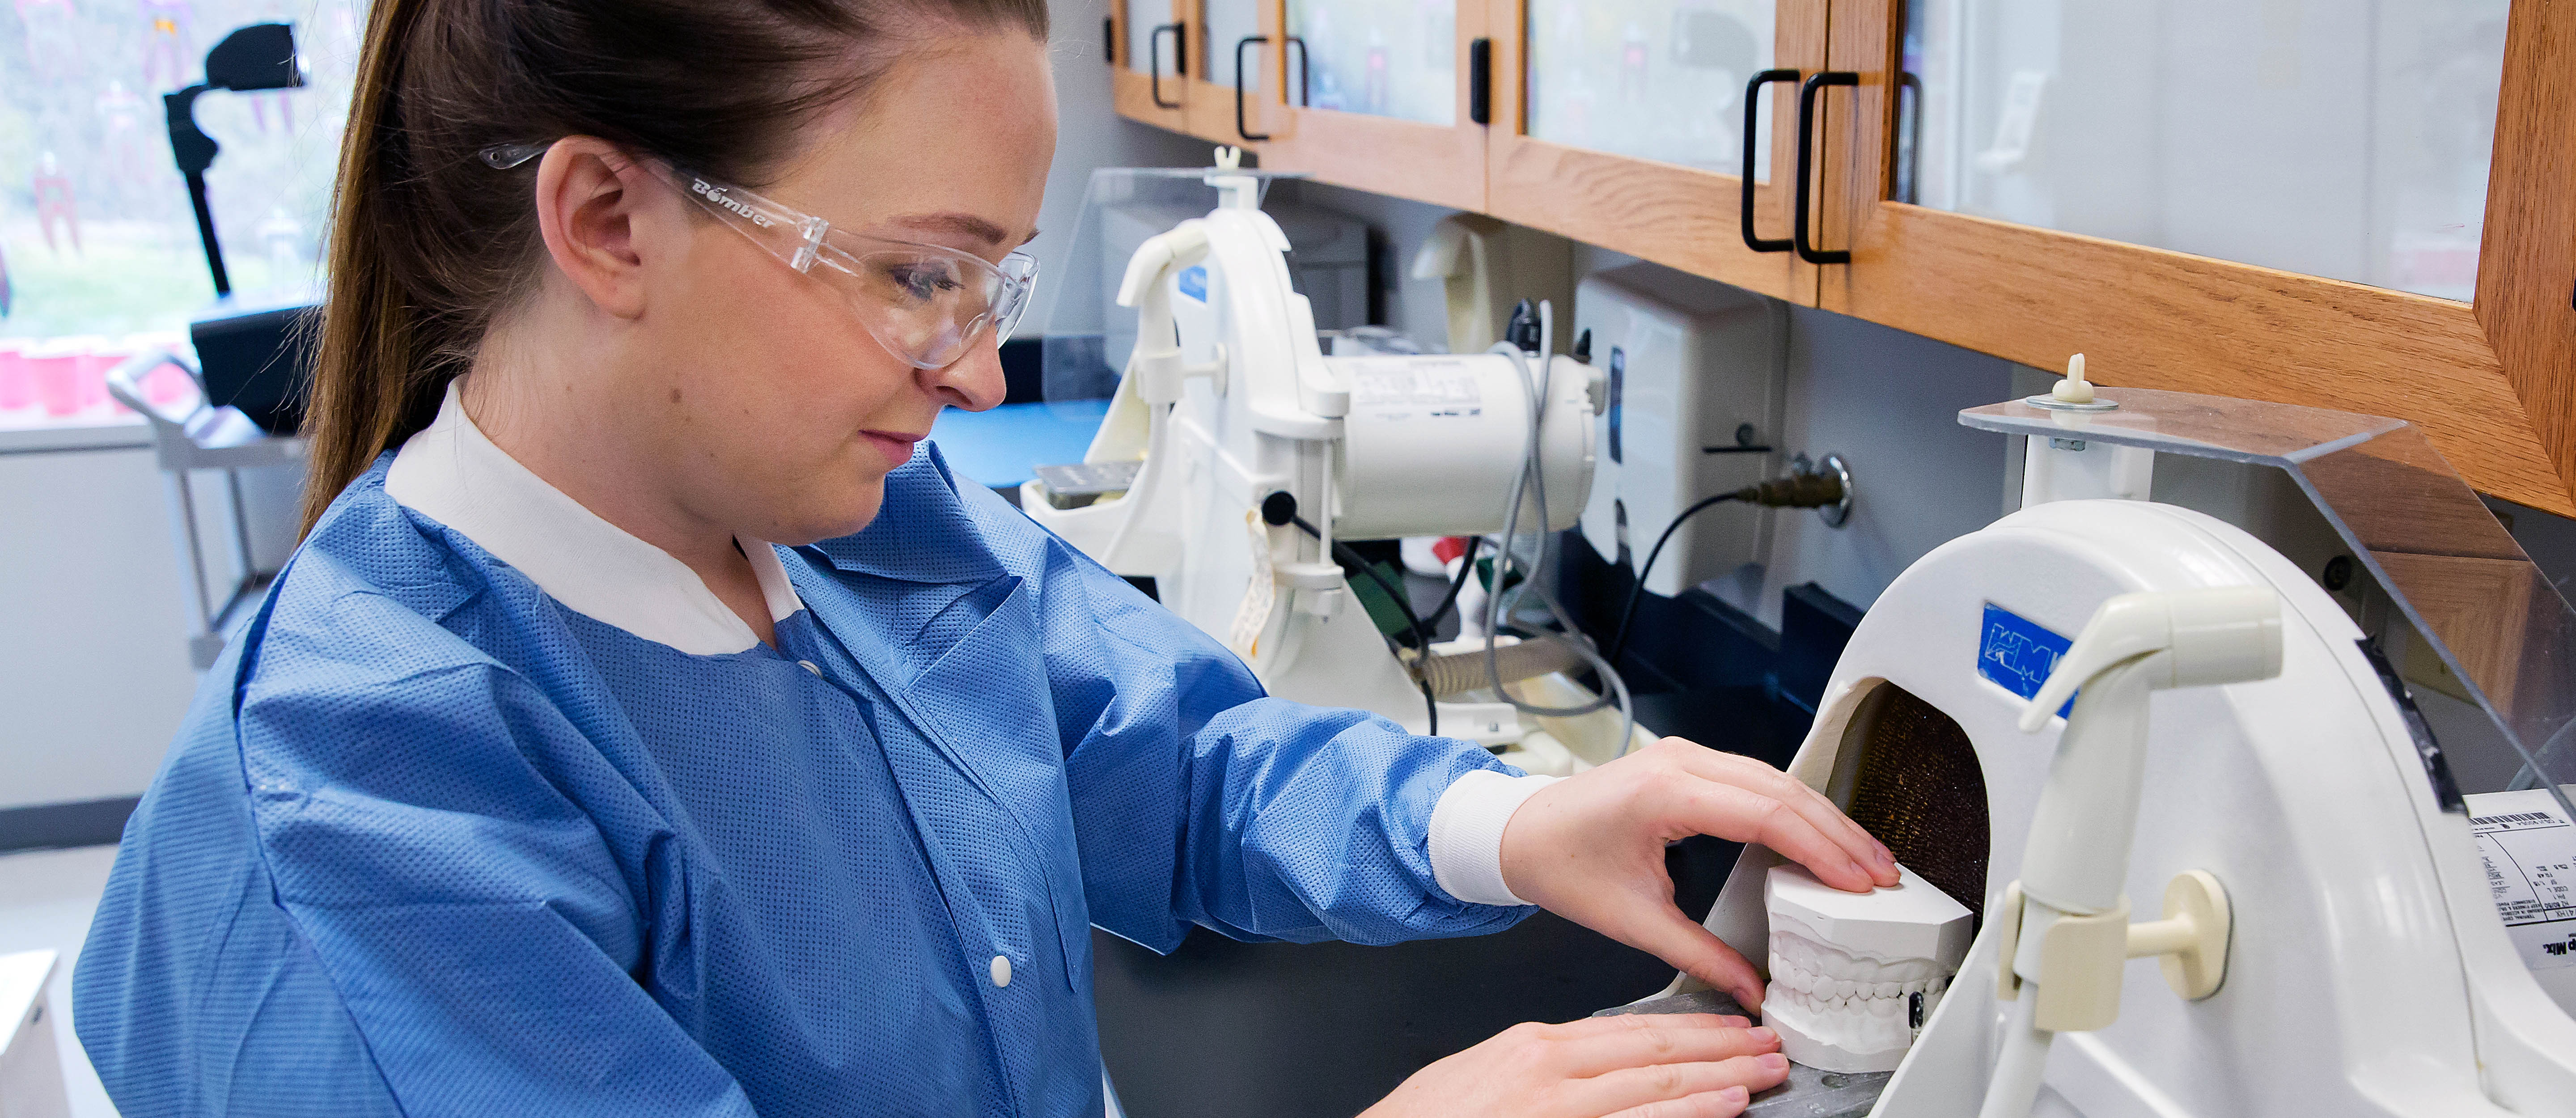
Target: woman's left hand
pixel 1591 848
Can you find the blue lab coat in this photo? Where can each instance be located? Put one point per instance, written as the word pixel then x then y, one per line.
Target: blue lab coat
pixel 430 843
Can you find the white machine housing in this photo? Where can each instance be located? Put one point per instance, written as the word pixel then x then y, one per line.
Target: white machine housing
pixel 1239 404
pixel 2367 971
pixel 1688 362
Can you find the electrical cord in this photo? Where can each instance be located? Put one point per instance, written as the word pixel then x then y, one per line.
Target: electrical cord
pixel 1798 491
pixel 1421 633
pixel 1532 469
pixel 1466 570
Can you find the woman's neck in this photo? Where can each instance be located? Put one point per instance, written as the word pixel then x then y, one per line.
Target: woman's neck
pixel 563 402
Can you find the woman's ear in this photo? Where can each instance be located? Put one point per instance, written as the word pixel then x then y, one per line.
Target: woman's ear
pixel 592 208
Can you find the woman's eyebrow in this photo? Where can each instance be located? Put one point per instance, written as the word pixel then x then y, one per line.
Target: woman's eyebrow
pixel 962 224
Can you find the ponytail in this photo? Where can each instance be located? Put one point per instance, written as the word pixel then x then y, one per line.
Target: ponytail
pixel 428 243
pixel 373 381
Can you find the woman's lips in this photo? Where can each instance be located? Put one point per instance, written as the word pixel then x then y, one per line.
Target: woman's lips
pixel 896 446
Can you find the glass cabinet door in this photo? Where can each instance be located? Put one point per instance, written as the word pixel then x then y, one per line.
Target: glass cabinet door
pixel 1390 58
pixel 2340 138
pixel 1376 96
pixel 1654 79
pixel 1628 129
pixel 2293 200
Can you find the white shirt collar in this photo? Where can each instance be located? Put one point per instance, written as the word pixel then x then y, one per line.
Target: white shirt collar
pixel 454 475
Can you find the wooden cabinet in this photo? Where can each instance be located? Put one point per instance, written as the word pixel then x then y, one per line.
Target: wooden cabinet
pixel 1148 44
pixel 2343 203
pixel 1374 94
pixel 1620 123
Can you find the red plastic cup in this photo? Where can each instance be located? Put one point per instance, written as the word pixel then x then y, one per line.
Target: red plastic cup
pixel 15 390
pixel 96 356
pixel 54 369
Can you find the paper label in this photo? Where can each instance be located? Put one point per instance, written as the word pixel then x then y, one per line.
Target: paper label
pixel 1404 387
pixel 2530 852
pixel 1252 615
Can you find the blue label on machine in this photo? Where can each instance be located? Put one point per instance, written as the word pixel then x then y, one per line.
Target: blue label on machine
pixel 1193 282
pixel 2018 654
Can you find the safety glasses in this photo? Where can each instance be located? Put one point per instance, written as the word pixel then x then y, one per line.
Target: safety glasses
pixel 926 304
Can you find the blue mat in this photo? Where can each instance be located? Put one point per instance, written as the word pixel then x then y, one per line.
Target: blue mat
pixel 1003 447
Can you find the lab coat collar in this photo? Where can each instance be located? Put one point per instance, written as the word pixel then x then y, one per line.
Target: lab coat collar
pixel 452 474
pixel 923 533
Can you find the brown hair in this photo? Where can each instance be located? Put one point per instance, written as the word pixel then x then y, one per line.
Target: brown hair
pixel 428 241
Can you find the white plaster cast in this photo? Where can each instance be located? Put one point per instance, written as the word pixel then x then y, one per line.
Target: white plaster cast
pixel 1846 967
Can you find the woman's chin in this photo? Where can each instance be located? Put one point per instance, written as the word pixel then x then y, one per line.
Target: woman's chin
pixel 830 515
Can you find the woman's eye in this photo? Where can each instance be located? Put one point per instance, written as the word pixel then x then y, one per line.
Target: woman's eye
pixel 924 281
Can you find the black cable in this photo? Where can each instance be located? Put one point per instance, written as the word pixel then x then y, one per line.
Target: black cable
pixel 1421 635
pixel 1466 569
pixel 1628 613
pixel 1797 491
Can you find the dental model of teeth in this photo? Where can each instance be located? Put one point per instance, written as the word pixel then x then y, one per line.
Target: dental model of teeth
pixel 1854 976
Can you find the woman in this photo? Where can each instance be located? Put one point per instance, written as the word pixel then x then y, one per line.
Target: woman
pixel 649 725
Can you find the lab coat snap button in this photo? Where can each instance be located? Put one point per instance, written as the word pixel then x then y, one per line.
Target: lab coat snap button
pixel 1001 970
pixel 808 665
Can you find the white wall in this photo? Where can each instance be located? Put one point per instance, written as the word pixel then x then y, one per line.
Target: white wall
pixel 94 671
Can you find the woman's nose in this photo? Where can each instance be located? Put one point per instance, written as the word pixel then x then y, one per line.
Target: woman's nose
pixel 973 382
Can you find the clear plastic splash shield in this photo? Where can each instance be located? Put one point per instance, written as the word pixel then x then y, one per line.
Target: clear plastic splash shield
pixel 1086 335
pixel 2442 557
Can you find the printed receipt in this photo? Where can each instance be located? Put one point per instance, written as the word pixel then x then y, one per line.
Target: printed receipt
pixel 2530 851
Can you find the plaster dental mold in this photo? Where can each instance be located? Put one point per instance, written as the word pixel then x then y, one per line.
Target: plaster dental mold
pixel 1854 976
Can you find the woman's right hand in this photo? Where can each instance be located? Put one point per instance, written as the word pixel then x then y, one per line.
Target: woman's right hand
pixel 1682 1065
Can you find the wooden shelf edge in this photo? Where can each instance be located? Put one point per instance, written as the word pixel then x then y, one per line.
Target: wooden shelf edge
pixel 2153 318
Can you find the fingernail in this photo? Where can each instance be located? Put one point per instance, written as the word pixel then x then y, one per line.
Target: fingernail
pixel 1762 1035
pixel 1734 1094
pixel 1772 1061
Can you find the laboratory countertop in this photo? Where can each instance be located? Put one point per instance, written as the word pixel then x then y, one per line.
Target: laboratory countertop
pixel 1003 447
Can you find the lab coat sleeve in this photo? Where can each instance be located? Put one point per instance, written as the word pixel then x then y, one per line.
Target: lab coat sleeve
pixel 466 911
pixel 1198 800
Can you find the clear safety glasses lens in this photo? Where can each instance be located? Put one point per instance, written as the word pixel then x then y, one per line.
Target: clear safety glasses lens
pixel 926 304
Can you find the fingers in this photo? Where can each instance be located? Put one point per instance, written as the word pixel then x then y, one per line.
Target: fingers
pixel 1677 939
pixel 1628 1088
pixel 1712 1104
pixel 1668 1039
pixel 1743 815
pixel 1744 772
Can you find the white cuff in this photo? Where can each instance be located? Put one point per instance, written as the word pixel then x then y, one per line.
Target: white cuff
pixel 1467 834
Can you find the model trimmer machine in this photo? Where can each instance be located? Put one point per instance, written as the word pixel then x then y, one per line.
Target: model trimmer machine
pixel 2116 730
pixel 1235 455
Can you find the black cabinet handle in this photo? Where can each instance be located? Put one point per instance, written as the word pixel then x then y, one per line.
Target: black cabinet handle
pixel 1109 39
pixel 1154 59
pixel 1807 97
pixel 1480 80
pixel 1239 129
pixel 1753 121
pixel 1305 97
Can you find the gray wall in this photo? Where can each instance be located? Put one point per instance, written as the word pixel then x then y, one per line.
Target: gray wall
pixel 1089 134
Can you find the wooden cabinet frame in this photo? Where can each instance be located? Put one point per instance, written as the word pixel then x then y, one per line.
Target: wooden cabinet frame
pixel 2492 382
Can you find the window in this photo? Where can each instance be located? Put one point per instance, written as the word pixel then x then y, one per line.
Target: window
pixel 97 241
